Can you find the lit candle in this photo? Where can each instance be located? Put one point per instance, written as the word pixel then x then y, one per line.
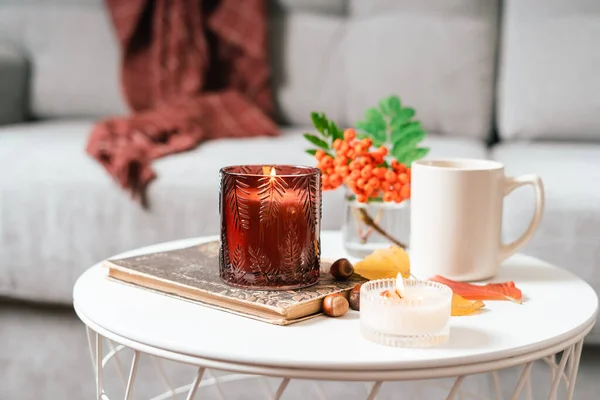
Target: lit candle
pixel 405 313
pixel 270 226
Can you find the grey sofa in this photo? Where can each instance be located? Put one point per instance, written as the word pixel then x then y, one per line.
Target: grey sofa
pixel 516 80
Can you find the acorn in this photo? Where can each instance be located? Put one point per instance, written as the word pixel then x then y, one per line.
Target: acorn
pixel 335 305
pixel 354 297
pixel 342 269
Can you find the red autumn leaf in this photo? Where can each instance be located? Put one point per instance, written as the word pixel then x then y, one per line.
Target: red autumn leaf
pixel 491 291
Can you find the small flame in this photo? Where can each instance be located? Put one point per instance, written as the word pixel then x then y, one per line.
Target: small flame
pixel 273 172
pixel 400 285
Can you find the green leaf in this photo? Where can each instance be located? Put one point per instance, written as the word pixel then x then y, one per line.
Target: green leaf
pixel 372 131
pixel 374 118
pixel 410 155
pixel 334 131
pixel 402 117
pixel 319 120
pixel 393 105
pixel 399 130
pixel 410 139
pixel 383 106
pixel 411 127
pixel 316 141
pixel 399 150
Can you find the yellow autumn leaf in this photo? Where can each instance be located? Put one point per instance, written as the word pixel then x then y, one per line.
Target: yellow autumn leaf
pixel 384 263
pixel 462 306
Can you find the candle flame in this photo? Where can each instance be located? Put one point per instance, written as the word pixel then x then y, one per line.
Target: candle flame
pixel 273 172
pixel 400 285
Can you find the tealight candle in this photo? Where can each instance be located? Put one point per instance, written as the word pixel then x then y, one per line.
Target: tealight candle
pixel 420 318
pixel 270 226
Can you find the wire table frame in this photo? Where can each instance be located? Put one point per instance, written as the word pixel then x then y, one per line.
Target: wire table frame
pixel 107 349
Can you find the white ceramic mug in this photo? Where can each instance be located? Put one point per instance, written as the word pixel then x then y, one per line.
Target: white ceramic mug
pixel 456 217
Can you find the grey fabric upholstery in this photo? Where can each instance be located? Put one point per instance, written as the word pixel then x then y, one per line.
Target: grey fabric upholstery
pixel 569 234
pixel 13 84
pixel 61 212
pixel 549 80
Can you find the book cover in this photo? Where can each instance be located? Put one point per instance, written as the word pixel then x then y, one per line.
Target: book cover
pixel 192 273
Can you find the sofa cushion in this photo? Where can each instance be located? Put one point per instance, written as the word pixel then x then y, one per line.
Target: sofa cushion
pixel 60 212
pixel 569 234
pixel 336 56
pixel 73 56
pixel 439 56
pixel 549 80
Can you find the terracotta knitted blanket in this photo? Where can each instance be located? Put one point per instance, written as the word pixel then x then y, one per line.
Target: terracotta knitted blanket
pixel 192 70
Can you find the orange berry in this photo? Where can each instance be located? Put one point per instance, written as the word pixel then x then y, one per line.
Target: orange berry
pixel 405 192
pixel 361 198
pixel 340 160
pixel 408 173
pixel 383 150
pixel 333 177
pixel 366 172
pixel 350 154
pixel 319 154
pixel 360 182
pixel 403 178
pixel 387 197
pixel 374 182
pixel 397 197
pixel 400 168
pixel 349 134
pixel 329 170
pixel 327 161
pixel 364 161
pixel 324 179
pixel 344 147
pixel 337 143
pixel 344 171
pixel 385 186
pixel 380 172
pixel 354 165
pixel 390 176
pixel 366 142
pixel 377 158
pixel 358 149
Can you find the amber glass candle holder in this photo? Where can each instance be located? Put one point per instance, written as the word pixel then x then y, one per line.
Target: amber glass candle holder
pixel 270 226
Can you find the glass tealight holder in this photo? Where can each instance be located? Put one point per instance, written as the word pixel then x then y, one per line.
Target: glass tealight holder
pixel 421 318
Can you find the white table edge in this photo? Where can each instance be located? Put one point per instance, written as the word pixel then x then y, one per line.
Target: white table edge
pixel 336 372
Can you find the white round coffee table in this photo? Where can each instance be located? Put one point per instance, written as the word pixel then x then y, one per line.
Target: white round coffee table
pixel 558 312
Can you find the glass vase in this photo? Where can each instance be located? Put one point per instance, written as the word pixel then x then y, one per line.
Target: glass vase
pixel 375 225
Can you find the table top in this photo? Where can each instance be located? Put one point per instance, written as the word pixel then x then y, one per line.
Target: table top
pixel 557 307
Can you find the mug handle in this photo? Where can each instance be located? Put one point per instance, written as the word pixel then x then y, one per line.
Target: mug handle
pixel 510 184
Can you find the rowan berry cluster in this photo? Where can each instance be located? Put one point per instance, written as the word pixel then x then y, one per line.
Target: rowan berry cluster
pixel 363 171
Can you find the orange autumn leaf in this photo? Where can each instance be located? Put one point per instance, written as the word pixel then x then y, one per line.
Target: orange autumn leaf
pixel 462 306
pixel 491 291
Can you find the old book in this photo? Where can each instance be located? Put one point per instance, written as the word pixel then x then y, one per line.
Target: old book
pixel 192 273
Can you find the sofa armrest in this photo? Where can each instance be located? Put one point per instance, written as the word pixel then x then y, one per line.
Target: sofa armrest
pixel 13 84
